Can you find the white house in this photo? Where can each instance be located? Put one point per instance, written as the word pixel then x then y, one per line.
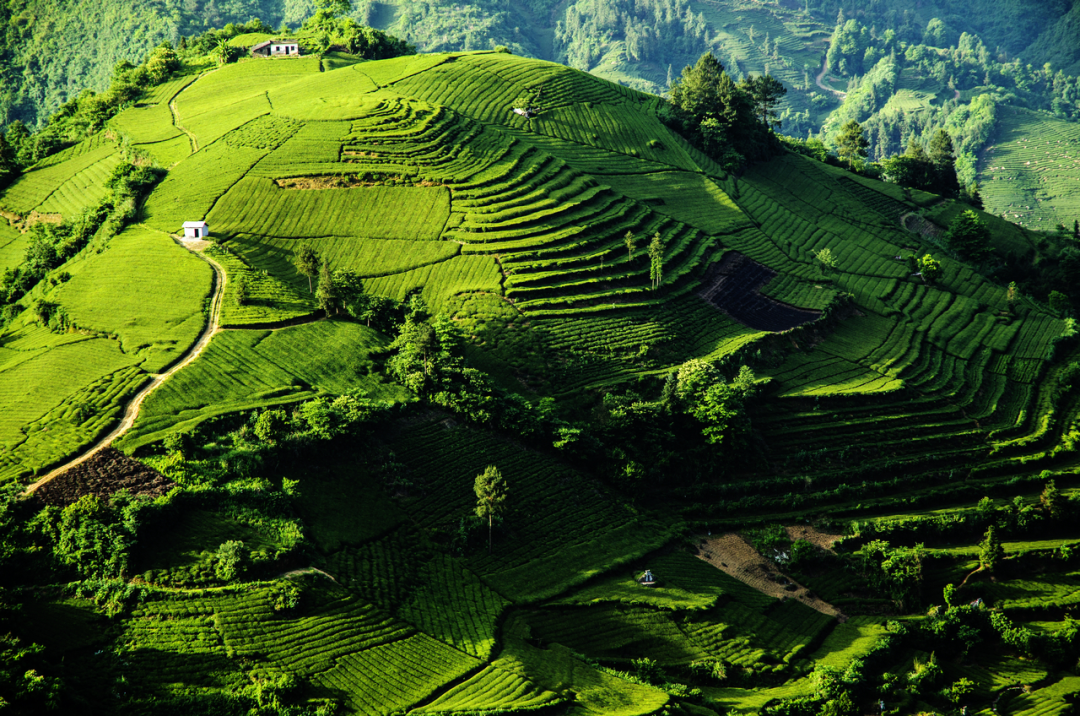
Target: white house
pixel 276 47
pixel 196 230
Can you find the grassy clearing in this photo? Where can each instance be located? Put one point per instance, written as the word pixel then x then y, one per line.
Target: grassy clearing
pixel 241 370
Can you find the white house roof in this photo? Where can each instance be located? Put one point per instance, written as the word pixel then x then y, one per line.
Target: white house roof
pixel 195 224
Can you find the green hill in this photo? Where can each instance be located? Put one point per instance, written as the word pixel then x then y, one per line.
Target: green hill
pixel 310 540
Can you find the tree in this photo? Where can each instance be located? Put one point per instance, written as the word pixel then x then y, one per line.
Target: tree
pixel 333 8
pixel 490 489
pixel 326 293
pixel 1050 500
pixel 1059 303
pixel 229 560
pixel 271 426
pixel 718 114
pixel 851 143
pixel 307 262
pixel 765 92
pixel 944 160
pixel 930 268
pixel 656 260
pixel 968 236
pixel 825 256
pixel 630 240
pixel 1011 294
pixel 990 550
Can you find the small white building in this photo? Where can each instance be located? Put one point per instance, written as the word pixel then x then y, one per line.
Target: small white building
pixel 276 47
pixel 196 230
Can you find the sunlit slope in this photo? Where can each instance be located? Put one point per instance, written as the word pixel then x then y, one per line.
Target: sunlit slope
pixel 1031 172
pixel 416 174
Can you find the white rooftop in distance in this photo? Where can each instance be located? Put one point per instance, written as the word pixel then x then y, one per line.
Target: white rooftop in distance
pixel 195 224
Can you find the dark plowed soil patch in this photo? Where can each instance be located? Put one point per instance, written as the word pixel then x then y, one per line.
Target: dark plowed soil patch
pixel 734 286
pixel 103 474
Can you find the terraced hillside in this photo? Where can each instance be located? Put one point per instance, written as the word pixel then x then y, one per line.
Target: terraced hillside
pixel 1029 174
pixel 316 546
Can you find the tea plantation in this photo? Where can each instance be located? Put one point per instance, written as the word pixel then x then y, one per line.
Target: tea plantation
pixel 651 350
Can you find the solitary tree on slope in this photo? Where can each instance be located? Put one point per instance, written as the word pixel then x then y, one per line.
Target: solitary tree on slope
pixel 490 488
pixel 307 263
pixel 630 240
pixel 851 143
pixel 656 260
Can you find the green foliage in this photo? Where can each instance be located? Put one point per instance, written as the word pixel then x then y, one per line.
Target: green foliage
pixel 990 551
pixel 896 571
pixel 307 262
pixel 721 115
pixel 491 493
pixel 230 561
pixel 930 268
pixel 826 258
pixel 968 236
pixel 851 143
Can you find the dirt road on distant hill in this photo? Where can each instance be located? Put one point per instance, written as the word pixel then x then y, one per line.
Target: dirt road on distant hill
pixel 821 76
pixel 134 405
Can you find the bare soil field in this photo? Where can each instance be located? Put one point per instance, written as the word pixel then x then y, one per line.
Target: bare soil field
pixel 813 535
pixel 735 556
pixel 104 473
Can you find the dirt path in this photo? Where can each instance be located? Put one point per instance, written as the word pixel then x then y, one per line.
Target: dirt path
pixel 307 570
pixel 176 115
pixel 133 407
pixel 732 554
pixel 822 85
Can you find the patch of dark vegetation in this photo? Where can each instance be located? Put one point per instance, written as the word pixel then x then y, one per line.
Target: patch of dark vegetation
pixel 734 285
pixel 104 474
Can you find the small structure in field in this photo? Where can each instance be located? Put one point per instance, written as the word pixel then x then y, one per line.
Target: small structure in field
pixel 269 48
pixel 196 230
pixel 647 579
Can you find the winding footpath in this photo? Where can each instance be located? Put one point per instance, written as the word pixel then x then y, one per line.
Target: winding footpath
pixel 135 404
pixel 822 85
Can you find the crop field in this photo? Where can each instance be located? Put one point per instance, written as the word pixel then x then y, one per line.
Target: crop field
pixel 39 376
pixel 76 182
pixel 144 290
pixel 12 246
pixel 259 206
pixel 534 566
pixel 492 689
pixel 1031 173
pixel 267 300
pixel 225 99
pixel 191 189
pixel 278 368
